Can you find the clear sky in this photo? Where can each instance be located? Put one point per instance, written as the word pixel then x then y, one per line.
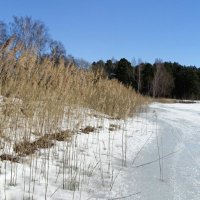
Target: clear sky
pixel 102 29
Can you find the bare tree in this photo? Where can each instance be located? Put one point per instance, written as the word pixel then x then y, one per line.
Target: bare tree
pixel 3 32
pixel 57 49
pixel 32 34
pixel 163 81
pixel 140 68
pixel 139 71
pixel 82 63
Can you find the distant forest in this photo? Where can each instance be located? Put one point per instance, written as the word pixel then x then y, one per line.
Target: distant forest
pixel 161 79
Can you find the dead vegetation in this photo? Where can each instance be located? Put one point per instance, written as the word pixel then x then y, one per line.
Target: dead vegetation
pixel 88 129
pixel 164 100
pixel 60 136
pixel 11 158
pixel 37 100
pixel 25 147
pixel 38 96
pixel 31 81
pixel 114 127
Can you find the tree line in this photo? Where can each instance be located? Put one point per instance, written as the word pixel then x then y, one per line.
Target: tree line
pixel 161 79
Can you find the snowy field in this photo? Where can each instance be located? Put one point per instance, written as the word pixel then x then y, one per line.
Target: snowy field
pixel 154 155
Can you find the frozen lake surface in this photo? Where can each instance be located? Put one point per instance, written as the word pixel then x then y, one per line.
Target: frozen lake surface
pixel 176 176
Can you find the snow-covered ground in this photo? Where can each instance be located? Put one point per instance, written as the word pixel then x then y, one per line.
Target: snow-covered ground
pixel 119 160
pixel 178 175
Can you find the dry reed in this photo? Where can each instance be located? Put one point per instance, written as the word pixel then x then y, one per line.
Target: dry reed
pixel 37 97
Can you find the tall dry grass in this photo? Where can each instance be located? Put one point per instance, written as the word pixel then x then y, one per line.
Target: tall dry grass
pixel 36 82
pixel 42 102
pixel 38 97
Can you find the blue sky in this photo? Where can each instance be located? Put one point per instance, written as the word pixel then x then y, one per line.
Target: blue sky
pixel 102 29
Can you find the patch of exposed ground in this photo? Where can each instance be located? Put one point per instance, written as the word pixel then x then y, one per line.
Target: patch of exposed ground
pixel 25 147
pixel 88 129
pixel 9 157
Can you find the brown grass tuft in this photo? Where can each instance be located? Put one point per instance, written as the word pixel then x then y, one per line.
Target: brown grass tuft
pixel 24 148
pixel 45 141
pixel 8 157
pixel 42 143
pixel 60 136
pixel 88 129
pixel 27 148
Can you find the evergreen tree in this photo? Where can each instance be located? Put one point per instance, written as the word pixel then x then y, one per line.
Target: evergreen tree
pixel 125 72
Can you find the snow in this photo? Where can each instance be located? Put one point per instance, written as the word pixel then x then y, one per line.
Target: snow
pixel 118 160
pixel 179 138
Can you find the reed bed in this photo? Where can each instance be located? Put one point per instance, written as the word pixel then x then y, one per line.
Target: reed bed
pixel 43 102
